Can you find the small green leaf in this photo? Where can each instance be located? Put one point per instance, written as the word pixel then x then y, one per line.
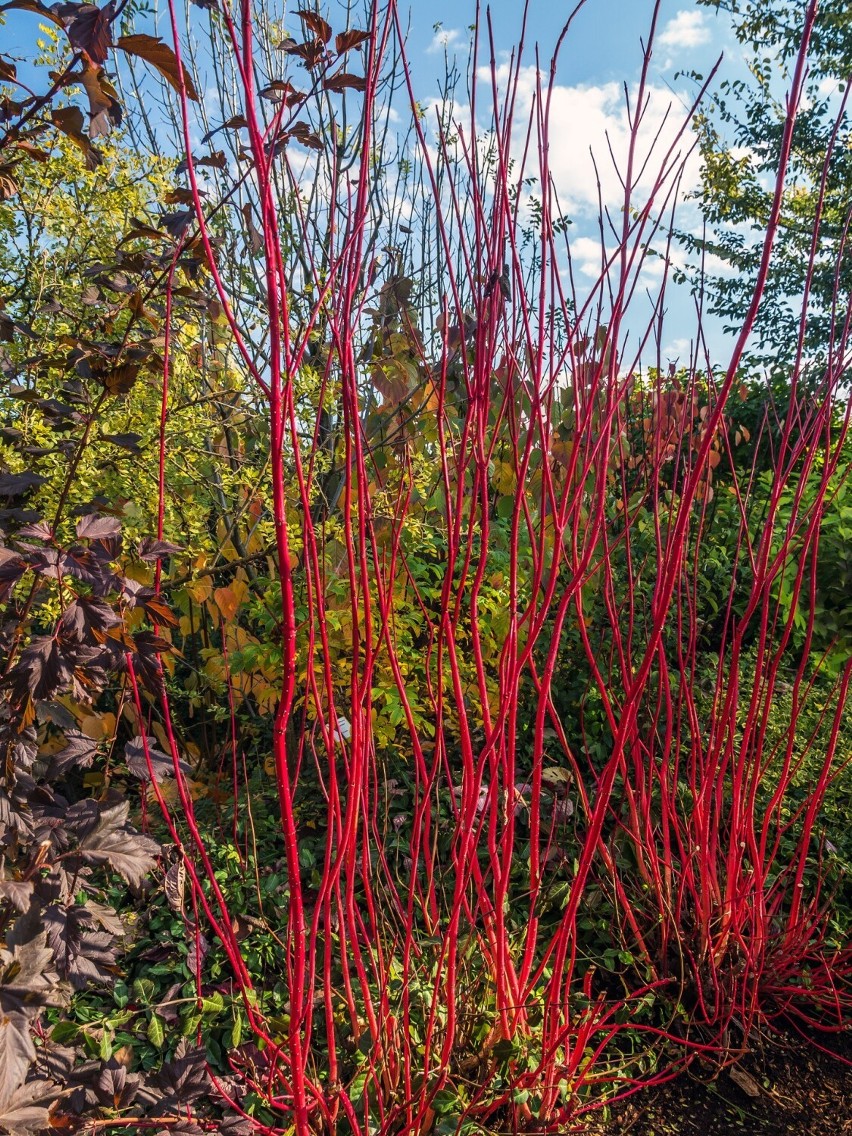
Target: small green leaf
pixel 156 1031
pixel 215 1004
pixel 144 990
pixel 63 1032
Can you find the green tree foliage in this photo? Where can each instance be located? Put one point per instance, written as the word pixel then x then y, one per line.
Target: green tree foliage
pixel 740 133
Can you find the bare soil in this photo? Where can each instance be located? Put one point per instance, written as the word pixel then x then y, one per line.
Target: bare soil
pixel 790 1088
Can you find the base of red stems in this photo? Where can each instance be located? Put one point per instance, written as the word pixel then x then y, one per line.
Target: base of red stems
pixel 495 423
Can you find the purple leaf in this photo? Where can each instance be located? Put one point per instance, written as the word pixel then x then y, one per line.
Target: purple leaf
pixel 17 892
pixel 115 1087
pixel 79 752
pixel 162 765
pixel 113 842
pixel 82 954
pixel 41 530
pixel 13 484
pixel 41 671
pixel 88 620
pixel 184 1079
pixel 151 549
pixel 12 568
pixel 95 527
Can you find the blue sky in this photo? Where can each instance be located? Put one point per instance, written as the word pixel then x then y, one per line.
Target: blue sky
pixel 604 40
pixel 601 53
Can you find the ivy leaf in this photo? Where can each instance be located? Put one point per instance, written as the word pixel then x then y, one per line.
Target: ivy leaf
pixel 156 1032
pixel 152 50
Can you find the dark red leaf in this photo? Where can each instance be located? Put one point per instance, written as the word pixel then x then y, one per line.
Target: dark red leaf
pixel 184 1079
pixel 343 81
pixel 126 441
pixel 177 223
pixel 78 753
pixel 12 568
pixel 311 52
pixel 345 41
pixel 217 160
pixel 82 954
pixel 120 379
pixel 115 1087
pixel 162 765
pixel 279 90
pixel 17 892
pixel 70 121
pixel 16 1053
pixel 90 30
pixel 42 669
pixel 112 841
pixel 149 647
pixel 235 123
pixel 305 136
pixel 315 23
pixel 14 484
pixel 159 55
pixel 151 549
pixel 104 108
pixel 87 620
pixel 37 7
pixel 94 527
pixel 27 1110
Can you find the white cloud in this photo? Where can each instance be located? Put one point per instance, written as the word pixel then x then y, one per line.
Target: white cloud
pixel 589 143
pixel 678 351
pixel 686 29
pixel 444 39
pixel 586 255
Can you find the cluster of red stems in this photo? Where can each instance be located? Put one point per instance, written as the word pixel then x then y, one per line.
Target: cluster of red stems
pixel 703 905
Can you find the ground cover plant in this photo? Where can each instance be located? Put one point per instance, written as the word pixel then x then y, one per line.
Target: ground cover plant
pixel 423 710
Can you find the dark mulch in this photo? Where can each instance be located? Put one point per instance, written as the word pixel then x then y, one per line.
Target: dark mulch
pixel 789 1089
